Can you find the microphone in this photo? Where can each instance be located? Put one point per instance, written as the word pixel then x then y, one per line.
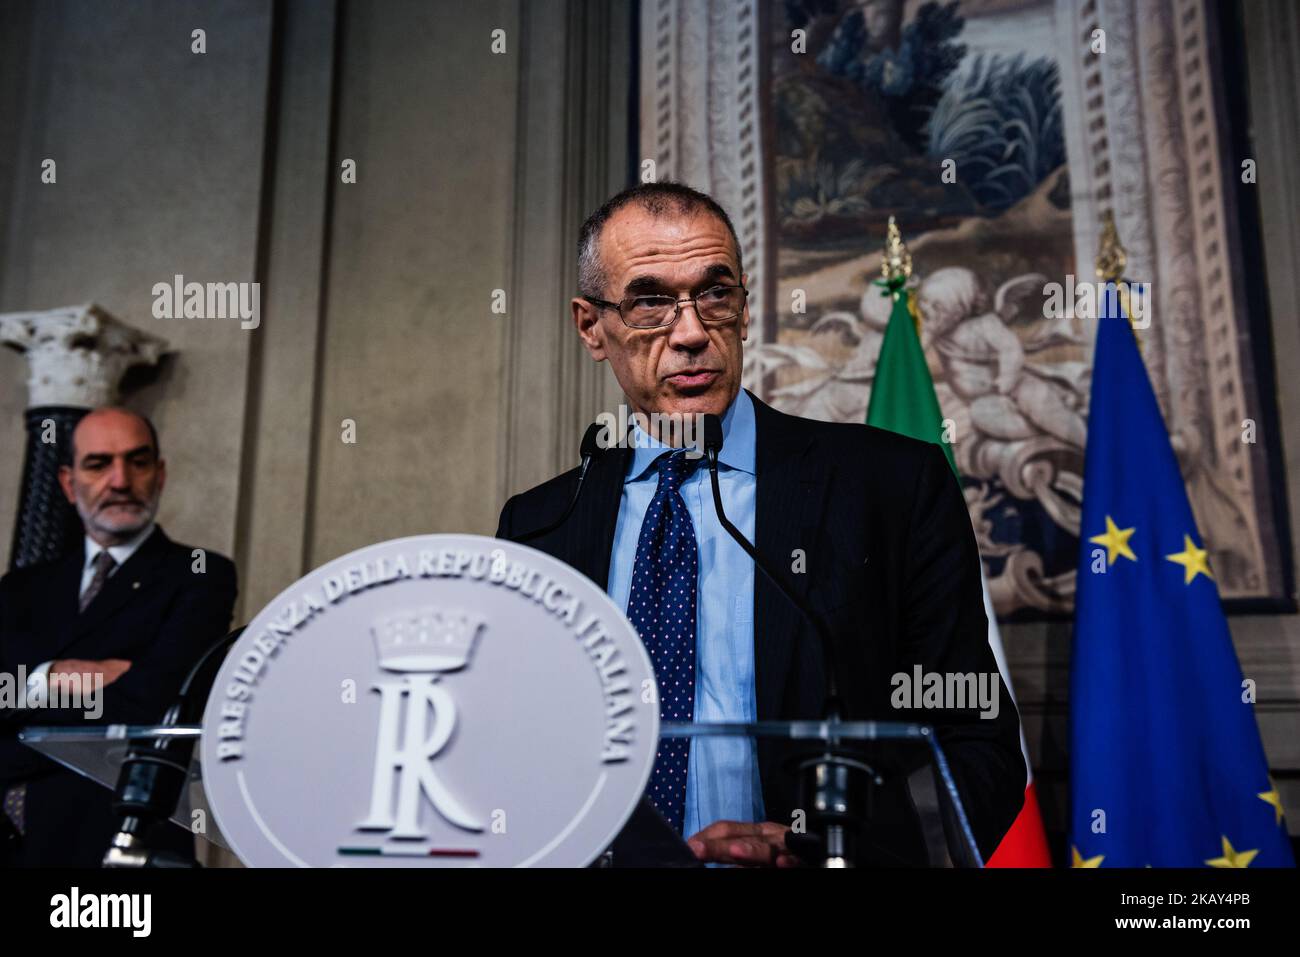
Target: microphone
pixel 835 783
pixel 155 773
pixel 590 445
pixel 712 447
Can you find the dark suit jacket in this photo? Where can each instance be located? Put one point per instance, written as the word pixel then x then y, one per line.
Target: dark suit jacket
pixel 154 611
pixel 892 567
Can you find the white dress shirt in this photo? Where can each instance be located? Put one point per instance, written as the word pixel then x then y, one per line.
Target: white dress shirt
pixel 722 777
pixel 120 554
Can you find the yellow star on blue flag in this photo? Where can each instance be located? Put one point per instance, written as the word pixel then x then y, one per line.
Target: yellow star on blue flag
pixel 1192 559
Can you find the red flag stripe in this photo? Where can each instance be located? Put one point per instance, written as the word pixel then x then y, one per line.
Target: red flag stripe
pixel 1025 844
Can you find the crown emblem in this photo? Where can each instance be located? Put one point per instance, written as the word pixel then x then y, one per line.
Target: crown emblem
pixel 426 639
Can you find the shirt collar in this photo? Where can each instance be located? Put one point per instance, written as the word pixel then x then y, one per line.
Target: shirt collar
pixel 121 552
pixel 739 446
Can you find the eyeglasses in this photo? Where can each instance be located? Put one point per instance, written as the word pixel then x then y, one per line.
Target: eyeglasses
pixel 718 304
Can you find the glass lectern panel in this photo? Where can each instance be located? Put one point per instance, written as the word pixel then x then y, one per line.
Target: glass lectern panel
pixel 98 753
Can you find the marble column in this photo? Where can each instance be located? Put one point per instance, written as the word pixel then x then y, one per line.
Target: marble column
pixel 76 356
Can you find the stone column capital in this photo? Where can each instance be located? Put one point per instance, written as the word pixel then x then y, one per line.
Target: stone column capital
pixel 77 355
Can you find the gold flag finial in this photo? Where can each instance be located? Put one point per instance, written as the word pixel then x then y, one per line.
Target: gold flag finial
pixel 896 270
pixel 1112 260
pixel 895 261
pixel 1111 257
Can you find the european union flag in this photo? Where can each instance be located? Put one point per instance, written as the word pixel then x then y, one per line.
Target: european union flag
pixel 1166 764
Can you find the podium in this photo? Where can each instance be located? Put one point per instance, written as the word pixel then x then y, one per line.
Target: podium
pixel 416 682
pixel 646 840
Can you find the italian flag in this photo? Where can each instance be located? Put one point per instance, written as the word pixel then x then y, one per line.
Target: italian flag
pixel 903 400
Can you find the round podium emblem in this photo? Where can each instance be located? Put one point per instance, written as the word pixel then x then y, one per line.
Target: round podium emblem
pixel 442 700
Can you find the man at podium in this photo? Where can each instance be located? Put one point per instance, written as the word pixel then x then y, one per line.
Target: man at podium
pixel 872 526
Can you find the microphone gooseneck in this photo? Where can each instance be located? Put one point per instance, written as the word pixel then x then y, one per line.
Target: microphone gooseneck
pixel 712 447
pixel 835 784
pixel 590 445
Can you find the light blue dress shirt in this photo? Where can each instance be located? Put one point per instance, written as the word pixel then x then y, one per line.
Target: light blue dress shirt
pixel 722 782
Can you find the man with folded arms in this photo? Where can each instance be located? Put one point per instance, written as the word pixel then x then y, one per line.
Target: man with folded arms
pixel 130 613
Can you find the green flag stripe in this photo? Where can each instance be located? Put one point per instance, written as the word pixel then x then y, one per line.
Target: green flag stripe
pixel 902 397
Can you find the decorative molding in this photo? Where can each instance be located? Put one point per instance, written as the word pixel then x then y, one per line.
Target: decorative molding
pixel 274 543
pixel 1142 135
pixel 701 115
pixel 571 156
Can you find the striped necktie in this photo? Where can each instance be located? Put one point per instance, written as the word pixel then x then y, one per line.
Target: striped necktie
pixel 103 564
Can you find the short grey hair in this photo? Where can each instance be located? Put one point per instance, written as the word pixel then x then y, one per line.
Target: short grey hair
pixel 658 199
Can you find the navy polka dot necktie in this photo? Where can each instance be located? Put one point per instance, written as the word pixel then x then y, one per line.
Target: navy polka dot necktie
pixel 662 607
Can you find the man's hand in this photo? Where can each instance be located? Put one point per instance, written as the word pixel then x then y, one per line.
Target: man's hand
pixel 750 845
pixel 110 668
